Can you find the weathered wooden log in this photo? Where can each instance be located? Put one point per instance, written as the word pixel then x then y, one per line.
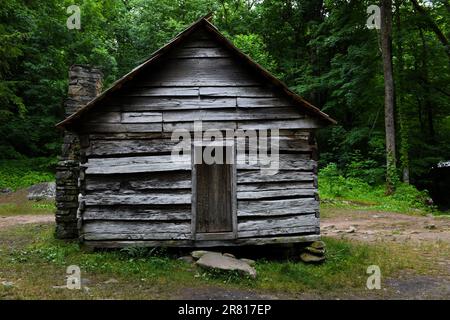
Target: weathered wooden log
pixel 206 43
pixel 277 207
pixel 137 213
pixel 101 230
pixel 183 70
pixel 141 117
pixel 124 147
pixel 204 80
pixel 267 194
pixel 177 104
pixel 284 162
pixel 137 164
pixel 129 136
pixel 206 125
pixel 281 176
pixel 140 182
pixel 137 199
pixel 307 123
pixel 163 92
pixel 234 91
pixel 204 244
pixel 287 225
pixel 273 186
pixel 231 115
pixel 254 101
pixel 120 127
pixel 216 52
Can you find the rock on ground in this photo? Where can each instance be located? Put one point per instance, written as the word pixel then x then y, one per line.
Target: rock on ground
pixel 310 258
pixel 187 259
pixel 42 191
pixel 197 254
pixel 250 262
pixel 314 251
pixel 112 280
pixel 6 190
pixel 318 245
pixel 216 260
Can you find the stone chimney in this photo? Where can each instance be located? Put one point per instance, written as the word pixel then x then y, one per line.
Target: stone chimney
pixel 85 83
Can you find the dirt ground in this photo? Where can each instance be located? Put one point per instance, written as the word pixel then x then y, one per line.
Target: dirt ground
pixel 369 226
pixel 6 222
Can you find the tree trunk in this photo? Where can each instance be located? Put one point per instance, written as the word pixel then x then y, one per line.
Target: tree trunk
pixel 426 89
pixel 402 118
pixel 315 15
pixel 389 94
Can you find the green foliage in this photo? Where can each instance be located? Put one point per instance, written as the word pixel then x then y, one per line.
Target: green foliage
pixel 253 45
pixel 353 191
pixel 16 174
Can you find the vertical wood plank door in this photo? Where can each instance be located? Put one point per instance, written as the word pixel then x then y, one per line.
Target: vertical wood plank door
pixel 214 198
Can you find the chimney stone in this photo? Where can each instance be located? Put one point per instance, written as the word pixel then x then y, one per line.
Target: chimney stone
pixel 85 83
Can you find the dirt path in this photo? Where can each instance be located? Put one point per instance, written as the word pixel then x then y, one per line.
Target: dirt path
pixel 10 221
pixel 369 226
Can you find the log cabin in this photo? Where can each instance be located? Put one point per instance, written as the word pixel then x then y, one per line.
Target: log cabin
pixel 119 183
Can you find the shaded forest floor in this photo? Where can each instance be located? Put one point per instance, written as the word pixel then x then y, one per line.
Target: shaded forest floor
pixel 412 250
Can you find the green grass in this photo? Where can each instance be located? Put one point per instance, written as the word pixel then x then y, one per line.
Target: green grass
pixel 17 174
pixel 27 208
pixel 39 263
pixel 23 173
pixel 15 204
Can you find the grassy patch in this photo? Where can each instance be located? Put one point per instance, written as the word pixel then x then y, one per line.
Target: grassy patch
pixel 37 264
pixel 16 174
pixel 16 203
pixel 13 209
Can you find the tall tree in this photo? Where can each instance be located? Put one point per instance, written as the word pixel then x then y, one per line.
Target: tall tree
pixel 389 93
pixel 402 118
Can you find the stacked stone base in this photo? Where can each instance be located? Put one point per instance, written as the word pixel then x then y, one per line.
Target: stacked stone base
pixel 85 83
pixel 314 252
pixel 67 173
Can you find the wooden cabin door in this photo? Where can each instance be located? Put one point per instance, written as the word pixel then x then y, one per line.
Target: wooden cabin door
pixel 214 200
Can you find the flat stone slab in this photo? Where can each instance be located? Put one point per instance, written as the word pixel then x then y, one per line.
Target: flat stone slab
pixel 216 260
pixel 318 244
pixel 42 191
pixel 314 251
pixel 310 258
pixel 250 262
pixel 198 254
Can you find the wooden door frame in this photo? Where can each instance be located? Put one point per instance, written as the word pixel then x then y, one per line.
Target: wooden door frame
pixel 222 235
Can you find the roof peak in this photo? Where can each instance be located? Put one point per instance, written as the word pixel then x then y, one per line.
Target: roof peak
pixel 218 36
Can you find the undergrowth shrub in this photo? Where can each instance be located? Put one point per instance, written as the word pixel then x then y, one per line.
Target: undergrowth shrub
pixel 333 185
pixel 22 173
